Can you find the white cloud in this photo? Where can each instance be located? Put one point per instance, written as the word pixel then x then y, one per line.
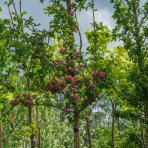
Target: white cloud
pixel 35 9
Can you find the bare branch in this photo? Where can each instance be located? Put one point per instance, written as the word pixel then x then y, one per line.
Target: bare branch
pixel 96 103
pixel 11 18
pixel 80 36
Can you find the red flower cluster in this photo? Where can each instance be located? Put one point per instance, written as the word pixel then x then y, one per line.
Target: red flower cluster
pixel 28 102
pixel 66 110
pixel 61 85
pixel 73 89
pixel 69 78
pixel 63 50
pixel 26 95
pixel 95 74
pixel 14 102
pixel 78 54
pixel 72 70
pixel 25 99
pixel 86 78
pixel 102 74
pixel 76 96
pixel 54 86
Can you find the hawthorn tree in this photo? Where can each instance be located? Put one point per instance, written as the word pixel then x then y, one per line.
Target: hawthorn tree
pixel 68 75
pixel 46 73
pixel 73 77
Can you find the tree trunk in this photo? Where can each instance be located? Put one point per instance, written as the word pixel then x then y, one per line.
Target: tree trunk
pixel 76 131
pixel 88 131
pixel 113 124
pixel 142 135
pixel 30 122
pixel 32 142
pixel 1 137
pixel 69 6
pixel 146 137
pixel 38 129
pixel 146 126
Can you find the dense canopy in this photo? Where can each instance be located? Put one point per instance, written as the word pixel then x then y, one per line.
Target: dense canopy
pixel 57 92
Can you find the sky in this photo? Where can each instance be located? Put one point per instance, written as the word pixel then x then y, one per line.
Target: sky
pixel 104 14
pixel 35 9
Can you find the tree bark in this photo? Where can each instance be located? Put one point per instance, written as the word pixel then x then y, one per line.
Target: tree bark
pixel 68 6
pixel 142 135
pixel 76 131
pixel 113 124
pixel 146 126
pixel 30 122
pixel 87 119
pixel 1 136
pixel 38 129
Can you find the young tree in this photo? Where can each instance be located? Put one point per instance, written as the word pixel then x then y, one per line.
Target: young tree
pixel 77 80
pixel 131 28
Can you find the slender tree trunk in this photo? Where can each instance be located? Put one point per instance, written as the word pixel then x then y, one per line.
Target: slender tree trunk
pixel 32 142
pixel 68 6
pixel 76 131
pixel 146 127
pixel 113 124
pixel 76 116
pixel 30 122
pixel 38 129
pixel 146 137
pixel 87 119
pixel 142 135
pixel 26 144
pixel 1 136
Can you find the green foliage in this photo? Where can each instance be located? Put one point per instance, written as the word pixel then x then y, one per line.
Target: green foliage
pixel 46 79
